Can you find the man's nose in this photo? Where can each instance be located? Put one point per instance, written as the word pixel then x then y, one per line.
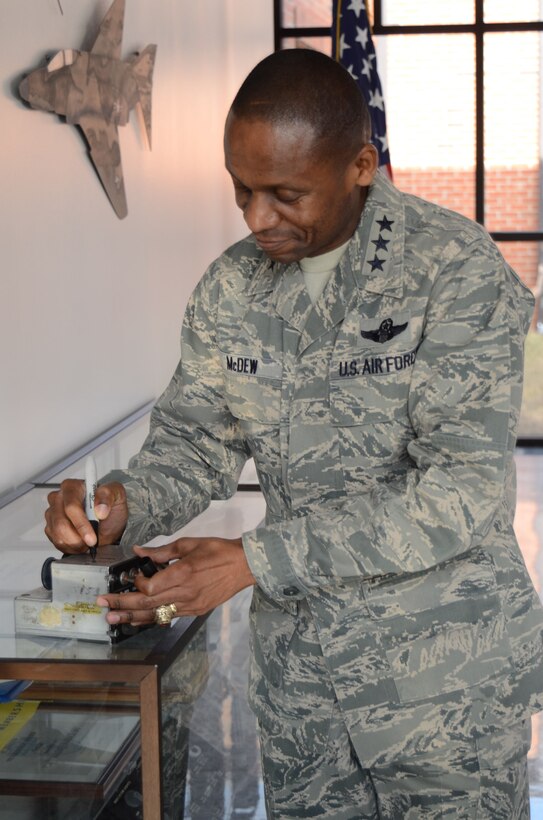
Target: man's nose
pixel 259 214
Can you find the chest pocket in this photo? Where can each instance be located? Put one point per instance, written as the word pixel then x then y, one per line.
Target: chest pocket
pixel 371 387
pixel 371 372
pixel 252 385
pixel 370 376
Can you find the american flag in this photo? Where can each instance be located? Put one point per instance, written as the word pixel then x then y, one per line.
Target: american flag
pixel 352 46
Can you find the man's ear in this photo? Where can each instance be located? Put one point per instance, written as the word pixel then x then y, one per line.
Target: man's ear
pixel 367 163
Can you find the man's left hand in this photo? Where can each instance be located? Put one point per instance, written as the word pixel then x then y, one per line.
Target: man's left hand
pixel 205 572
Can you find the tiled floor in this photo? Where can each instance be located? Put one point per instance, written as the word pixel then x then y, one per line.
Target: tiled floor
pixel 223 750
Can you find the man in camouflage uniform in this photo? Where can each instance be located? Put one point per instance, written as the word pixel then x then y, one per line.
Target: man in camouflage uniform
pixel 396 636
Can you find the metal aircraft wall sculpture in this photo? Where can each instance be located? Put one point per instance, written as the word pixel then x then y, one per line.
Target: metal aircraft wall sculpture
pixel 97 90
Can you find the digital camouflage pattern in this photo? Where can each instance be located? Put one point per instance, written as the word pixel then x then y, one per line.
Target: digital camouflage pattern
pixel 441 767
pixel 382 422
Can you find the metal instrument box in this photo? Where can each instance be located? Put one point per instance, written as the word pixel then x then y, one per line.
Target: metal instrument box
pixel 65 606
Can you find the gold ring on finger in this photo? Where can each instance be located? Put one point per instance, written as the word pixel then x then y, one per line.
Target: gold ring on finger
pixel 165 613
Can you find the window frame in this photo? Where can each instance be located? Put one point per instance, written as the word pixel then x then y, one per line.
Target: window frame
pixel 478 28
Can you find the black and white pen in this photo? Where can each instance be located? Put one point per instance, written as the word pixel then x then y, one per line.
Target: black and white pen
pixel 90 490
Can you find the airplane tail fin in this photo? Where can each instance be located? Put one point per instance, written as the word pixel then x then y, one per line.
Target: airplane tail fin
pixel 143 66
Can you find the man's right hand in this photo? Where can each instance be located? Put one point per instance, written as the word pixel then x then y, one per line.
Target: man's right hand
pixel 67 525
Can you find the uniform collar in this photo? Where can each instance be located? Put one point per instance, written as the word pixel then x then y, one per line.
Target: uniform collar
pixel 375 253
pixel 263 277
pixel 372 263
pixel 376 249
pixel 293 303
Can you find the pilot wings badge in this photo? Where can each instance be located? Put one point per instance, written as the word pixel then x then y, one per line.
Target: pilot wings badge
pixel 385 332
pixel 97 90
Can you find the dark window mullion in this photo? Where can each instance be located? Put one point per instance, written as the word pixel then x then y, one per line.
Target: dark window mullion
pixel 479 28
pixel 517 236
pixel 479 114
pixel 304 31
pixel 277 24
pixel 377 14
pixel 454 28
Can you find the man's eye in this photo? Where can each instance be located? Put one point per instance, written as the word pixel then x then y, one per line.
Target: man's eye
pixel 288 198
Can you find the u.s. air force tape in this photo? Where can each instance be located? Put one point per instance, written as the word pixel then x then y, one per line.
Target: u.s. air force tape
pixel 375 365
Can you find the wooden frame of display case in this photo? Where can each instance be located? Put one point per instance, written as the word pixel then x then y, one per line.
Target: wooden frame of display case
pixel 144 675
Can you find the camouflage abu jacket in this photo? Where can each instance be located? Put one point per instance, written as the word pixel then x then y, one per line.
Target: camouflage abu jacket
pixel 382 423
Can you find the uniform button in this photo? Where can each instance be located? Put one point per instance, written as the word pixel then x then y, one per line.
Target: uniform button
pixel 290 591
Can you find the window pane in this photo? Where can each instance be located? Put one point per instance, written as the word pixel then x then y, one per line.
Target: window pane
pixel 429 90
pixel 302 13
pixel 512 130
pixel 504 11
pixel 526 259
pixel 323 44
pixel 531 417
pixel 427 12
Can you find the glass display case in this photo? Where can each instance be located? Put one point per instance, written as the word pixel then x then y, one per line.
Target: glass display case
pixel 155 727
pixel 94 730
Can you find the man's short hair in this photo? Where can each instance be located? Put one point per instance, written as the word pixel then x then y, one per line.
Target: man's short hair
pixel 300 85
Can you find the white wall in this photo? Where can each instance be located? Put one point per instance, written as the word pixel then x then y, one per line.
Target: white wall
pixel 90 305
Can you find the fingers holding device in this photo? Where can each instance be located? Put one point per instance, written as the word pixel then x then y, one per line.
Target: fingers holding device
pixel 67 518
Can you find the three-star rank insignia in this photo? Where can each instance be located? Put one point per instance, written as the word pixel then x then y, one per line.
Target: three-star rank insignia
pixel 381 244
pixel 385 332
